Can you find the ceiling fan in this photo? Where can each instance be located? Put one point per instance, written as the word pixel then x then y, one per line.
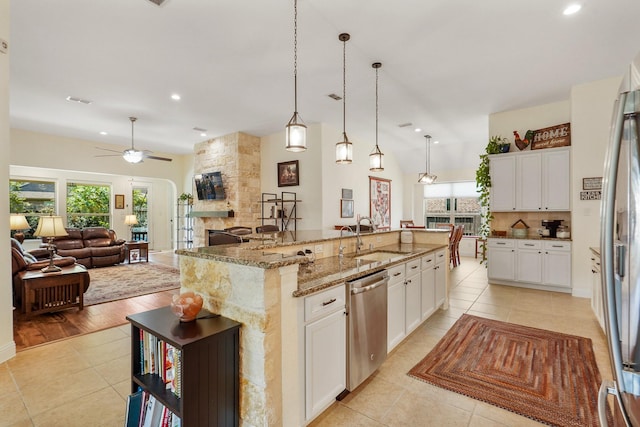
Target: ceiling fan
pixel 132 155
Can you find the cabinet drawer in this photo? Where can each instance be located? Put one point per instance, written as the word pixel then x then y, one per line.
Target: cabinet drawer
pixel 500 243
pixel 529 244
pixel 557 245
pixel 413 267
pixel 441 256
pixel 428 261
pixel 396 274
pixel 324 302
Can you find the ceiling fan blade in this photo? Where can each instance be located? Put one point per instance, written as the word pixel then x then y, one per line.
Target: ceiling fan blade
pixel 166 159
pixel 108 155
pixel 106 149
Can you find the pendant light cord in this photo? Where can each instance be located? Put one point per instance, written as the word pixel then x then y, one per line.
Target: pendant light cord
pixel 295 56
pixel 344 87
pixel 378 149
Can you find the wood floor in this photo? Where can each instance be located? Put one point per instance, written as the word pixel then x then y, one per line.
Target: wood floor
pixel 44 328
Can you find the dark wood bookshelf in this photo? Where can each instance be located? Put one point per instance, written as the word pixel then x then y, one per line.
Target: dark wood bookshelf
pixel 210 359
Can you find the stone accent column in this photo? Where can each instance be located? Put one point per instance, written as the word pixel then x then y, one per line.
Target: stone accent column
pixel 237 156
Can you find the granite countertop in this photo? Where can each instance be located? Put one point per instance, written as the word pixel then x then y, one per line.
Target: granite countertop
pixel 533 237
pixel 327 272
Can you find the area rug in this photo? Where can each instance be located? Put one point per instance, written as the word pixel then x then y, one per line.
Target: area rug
pixel 546 376
pixel 129 280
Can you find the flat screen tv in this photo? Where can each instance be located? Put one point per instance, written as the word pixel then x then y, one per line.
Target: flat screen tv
pixel 209 186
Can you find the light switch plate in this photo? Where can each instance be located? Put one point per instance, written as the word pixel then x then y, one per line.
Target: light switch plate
pixel 4 46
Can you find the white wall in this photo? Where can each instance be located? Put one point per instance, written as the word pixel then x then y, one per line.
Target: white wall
pixel 322 180
pixel 591 111
pixel 7 345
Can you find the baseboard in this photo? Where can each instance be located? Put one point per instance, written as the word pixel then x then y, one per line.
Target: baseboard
pixel 581 292
pixel 7 351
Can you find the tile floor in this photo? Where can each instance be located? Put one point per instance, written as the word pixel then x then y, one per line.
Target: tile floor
pixel 83 381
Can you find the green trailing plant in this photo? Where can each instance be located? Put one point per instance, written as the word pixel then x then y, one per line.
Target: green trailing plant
pixel 186 197
pixel 483 183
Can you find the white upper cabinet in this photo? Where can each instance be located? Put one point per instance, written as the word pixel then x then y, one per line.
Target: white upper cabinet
pixel 532 181
pixel 503 184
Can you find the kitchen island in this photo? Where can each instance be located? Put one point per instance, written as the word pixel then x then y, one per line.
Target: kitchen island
pixel 263 285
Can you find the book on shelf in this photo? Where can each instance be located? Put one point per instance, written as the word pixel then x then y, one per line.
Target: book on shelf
pixel 152 413
pixel 158 357
pixel 134 406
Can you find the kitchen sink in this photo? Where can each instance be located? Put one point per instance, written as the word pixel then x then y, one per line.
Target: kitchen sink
pixel 378 256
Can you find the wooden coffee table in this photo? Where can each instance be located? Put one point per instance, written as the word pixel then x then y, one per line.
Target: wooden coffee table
pixel 141 246
pixel 49 292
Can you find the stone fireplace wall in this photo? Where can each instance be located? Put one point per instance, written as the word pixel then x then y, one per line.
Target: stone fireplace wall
pixel 237 156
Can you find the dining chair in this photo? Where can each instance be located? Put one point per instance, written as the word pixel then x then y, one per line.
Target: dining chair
pixel 223 238
pixel 404 223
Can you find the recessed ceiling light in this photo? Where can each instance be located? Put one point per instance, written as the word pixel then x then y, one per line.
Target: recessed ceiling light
pixel 417 130
pixel 203 134
pixel 175 97
pixel 572 8
pixel 78 100
pixel 436 142
pixel 103 133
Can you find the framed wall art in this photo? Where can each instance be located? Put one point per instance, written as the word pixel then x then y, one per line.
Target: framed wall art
pixel 380 202
pixel 119 201
pixel 594 183
pixel 288 174
pixel 346 208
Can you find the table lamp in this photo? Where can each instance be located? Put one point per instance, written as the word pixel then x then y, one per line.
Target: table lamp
pixel 18 222
pixel 131 220
pixel 48 228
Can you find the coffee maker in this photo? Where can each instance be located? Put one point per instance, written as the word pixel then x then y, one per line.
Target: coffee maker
pixel 551 226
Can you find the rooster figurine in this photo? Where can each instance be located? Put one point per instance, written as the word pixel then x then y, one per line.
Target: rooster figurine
pixel 523 143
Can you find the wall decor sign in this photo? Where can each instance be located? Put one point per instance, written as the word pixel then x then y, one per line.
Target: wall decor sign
pixel 288 174
pixel 591 195
pixel 347 193
pixel 594 183
pixel 380 202
pixel 119 201
pixel 554 136
pixel 346 208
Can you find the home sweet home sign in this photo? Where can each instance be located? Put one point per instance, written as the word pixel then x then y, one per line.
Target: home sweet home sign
pixel 554 136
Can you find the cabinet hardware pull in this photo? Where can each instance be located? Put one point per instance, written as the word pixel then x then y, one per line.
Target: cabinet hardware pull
pixel 414 267
pixel 331 301
pixel 556 246
pixel 407 282
pixel 500 243
pixel 529 244
pixel 397 274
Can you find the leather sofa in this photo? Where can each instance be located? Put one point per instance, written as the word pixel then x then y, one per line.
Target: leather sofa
pixel 91 246
pixel 36 259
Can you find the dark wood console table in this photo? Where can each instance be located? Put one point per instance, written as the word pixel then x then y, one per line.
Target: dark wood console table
pixel 48 292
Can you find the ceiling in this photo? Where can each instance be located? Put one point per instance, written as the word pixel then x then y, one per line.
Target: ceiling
pixel 446 66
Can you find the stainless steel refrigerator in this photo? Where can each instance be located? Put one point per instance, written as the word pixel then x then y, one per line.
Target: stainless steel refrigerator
pixel 620 252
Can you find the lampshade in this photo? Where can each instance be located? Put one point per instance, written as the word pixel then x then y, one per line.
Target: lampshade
pixel 18 222
pixel 50 226
pixel 296 131
pixel 130 220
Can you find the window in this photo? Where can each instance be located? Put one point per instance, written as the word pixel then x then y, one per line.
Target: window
pixel 88 205
pixel 32 198
pixel 453 203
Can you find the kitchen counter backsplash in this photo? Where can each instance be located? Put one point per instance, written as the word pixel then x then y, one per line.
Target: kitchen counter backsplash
pixel 530 237
pixel 502 221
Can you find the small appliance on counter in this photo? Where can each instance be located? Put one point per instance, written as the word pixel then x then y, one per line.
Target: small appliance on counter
pixel 550 227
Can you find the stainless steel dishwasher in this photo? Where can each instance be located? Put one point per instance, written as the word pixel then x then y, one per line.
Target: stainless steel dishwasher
pixel 367 326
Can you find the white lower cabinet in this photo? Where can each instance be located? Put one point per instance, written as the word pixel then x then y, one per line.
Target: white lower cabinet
pixel 325 349
pixel 412 296
pixel 441 277
pixel 396 312
pixel 597 301
pixel 428 285
pixel 539 263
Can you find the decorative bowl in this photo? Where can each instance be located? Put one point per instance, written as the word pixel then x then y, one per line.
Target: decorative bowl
pixel 504 148
pixel 186 306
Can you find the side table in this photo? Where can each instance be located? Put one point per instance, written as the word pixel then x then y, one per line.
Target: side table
pixel 137 249
pixel 48 292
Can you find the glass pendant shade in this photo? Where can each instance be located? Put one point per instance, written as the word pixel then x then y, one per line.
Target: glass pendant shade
pixel 344 151
pixel 427 178
pixel 376 160
pixel 296 134
pixel 132 156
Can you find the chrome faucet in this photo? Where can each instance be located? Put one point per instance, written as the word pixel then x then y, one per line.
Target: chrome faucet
pixel 359 243
pixel 340 247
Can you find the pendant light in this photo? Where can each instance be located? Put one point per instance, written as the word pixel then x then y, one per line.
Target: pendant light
pixel 376 158
pixel 296 131
pixel 344 149
pixel 427 177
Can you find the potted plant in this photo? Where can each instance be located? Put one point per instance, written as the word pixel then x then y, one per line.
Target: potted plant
pixel 483 182
pixel 186 197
